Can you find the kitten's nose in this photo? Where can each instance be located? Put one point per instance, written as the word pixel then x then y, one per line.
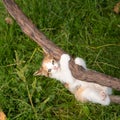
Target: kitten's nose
pixel 55 68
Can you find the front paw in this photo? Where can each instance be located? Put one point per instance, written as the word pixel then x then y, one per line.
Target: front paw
pixel 65 57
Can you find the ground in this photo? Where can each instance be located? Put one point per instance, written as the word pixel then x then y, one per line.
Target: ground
pixel 88 29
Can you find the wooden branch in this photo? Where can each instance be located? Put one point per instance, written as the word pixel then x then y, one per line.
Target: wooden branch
pixel 115 99
pixel 29 29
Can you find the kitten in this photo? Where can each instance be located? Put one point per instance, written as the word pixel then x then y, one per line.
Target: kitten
pixel 83 91
pixel 56 69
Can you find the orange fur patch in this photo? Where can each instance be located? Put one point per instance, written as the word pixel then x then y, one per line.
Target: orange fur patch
pixel 2 116
pixel 66 85
pixel 78 95
pixel 43 70
pixel 46 59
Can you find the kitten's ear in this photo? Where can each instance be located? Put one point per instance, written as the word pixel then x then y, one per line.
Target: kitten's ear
pixel 38 72
pixel 45 53
pixel 41 72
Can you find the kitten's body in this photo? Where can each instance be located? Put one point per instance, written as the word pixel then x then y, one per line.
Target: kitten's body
pixel 83 91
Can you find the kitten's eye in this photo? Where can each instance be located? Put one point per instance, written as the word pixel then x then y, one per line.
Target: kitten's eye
pixel 49 70
pixel 53 62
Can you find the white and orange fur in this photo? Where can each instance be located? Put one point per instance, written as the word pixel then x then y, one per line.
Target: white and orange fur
pixel 83 91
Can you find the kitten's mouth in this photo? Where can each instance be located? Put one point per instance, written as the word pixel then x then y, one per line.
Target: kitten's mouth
pixel 56 68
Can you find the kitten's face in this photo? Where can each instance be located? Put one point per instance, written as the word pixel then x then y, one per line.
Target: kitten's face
pixel 49 66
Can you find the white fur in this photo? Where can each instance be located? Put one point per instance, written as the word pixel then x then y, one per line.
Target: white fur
pixel 81 62
pixel 92 91
pixel 95 96
pixel 64 75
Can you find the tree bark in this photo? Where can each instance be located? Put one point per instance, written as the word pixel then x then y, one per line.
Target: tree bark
pixel 78 72
pixel 115 99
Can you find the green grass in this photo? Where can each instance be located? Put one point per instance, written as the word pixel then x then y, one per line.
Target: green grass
pixel 85 28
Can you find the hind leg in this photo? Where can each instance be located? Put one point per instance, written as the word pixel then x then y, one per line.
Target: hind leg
pixel 81 62
pixel 93 95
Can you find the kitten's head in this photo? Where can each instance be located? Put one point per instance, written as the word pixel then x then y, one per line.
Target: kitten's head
pixel 49 66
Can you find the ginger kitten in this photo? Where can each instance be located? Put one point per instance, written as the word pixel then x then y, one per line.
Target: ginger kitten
pixel 83 91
